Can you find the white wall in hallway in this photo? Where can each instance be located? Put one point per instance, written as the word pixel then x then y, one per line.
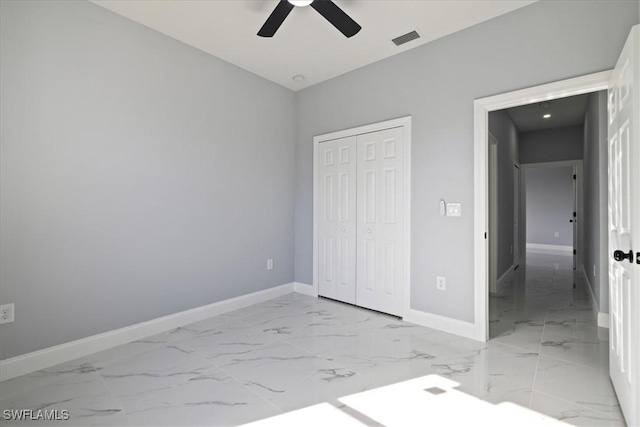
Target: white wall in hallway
pixel 549 193
pixel 503 128
pixel 551 145
pixel 596 155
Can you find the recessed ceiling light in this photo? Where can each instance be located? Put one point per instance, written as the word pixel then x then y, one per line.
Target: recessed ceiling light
pixel 298 78
pixel 546 116
pixel 300 2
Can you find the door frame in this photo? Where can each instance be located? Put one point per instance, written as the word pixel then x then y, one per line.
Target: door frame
pixel 405 123
pixel 577 164
pixel 559 89
pixel 493 208
pixel 517 215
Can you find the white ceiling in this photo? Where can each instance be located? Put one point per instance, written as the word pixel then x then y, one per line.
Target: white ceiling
pixel 564 112
pixel 306 43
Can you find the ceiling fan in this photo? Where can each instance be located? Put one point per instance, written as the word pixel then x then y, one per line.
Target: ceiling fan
pixel 326 8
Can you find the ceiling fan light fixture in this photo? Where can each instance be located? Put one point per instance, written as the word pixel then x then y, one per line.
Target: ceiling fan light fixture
pixel 300 3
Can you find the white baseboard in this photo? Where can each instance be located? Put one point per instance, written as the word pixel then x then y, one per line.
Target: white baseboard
pixel 539 248
pixel 441 323
pixel 505 276
pixel 45 358
pixel 596 308
pixel 304 288
pixel 603 318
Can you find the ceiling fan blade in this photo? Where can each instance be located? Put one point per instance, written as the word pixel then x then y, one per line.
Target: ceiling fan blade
pixel 336 17
pixel 276 19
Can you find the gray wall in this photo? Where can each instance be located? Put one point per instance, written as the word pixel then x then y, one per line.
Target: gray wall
pixel 436 83
pixel 550 145
pixel 549 194
pixel 505 132
pixel 140 176
pixel 595 198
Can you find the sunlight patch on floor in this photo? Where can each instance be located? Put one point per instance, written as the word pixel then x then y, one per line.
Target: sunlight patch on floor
pixel 431 399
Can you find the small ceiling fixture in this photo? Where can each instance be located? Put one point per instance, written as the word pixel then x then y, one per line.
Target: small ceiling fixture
pixel 546 116
pixel 300 3
pixel 299 78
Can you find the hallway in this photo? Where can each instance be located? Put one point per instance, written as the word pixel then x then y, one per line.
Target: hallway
pixel 538 310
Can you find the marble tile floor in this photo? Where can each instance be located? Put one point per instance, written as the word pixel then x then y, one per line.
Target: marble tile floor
pixel 546 354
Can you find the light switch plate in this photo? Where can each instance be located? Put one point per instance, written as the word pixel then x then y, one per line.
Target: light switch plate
pixel 454 209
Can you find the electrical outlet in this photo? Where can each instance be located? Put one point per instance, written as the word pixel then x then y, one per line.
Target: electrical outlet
pixel 556 234
pixel 441 283
pixel 7 312
pixel 269 264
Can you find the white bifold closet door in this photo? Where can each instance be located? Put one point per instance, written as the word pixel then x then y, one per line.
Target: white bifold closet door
pixel 337 219
pixel 380 186
pixel 360 226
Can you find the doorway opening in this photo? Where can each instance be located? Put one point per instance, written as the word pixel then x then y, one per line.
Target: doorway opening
pixel 535 174
pixel 509 154
pixel 616 150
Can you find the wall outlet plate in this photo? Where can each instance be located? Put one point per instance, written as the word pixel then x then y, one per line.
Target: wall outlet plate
pixel 441 283
pixel 269 264
pixel 7 312
pixel 556 234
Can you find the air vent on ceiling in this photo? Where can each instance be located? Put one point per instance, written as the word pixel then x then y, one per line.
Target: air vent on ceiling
pixel 406 38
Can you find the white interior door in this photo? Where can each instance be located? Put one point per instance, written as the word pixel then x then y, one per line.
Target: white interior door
pixel 624 228
pixel 380 220
pixel 337 219
pixel 516 215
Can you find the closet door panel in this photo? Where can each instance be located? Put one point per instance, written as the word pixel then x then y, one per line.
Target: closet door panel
pixel 391 226
pixel 327 219
pixel 367 210
pixel 336 225
pixel 346 219
pixel 380 225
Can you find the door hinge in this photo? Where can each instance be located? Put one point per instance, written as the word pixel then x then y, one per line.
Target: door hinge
pixel 638 258
pixel 485 234
pixel 574 214
pixel 575 252
pixel 574 176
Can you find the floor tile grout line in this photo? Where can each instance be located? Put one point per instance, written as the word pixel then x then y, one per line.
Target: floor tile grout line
pixel 535 373
pixel 233 377
pixel 582 365
pixel 573 403
pixel 112 394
